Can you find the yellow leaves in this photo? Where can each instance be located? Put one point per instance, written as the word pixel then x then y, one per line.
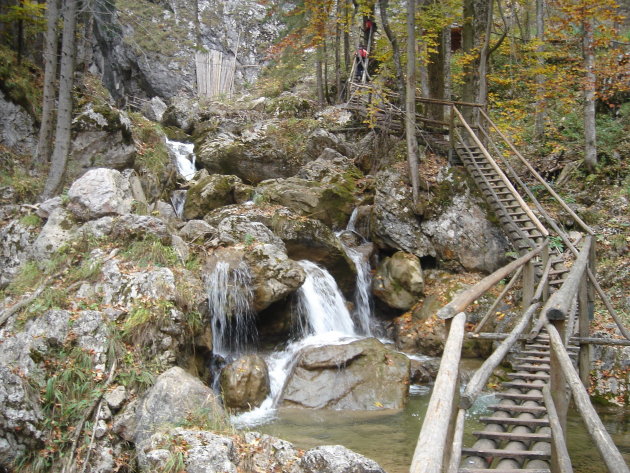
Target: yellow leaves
pixel 378 404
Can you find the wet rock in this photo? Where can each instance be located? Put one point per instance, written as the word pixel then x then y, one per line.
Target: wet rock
pixel 182 113
pixel 304 238
pixel 394 223
pixel 245 382
pixel 360 375
pixel 20 416
pixel 423 371
pixel 175 395
pixel 398 281
pixel 337 459
pixel 209 193
pixel 100 192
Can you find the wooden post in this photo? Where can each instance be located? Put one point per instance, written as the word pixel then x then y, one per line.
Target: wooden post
pixel 451 135
pixel 529 276
pixel 558 388
pixel 545 259
pixel 584 331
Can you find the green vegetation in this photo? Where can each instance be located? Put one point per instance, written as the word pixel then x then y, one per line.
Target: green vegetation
pixel 151 251
pixel 145 314
pixel 21 83
pixel 152 154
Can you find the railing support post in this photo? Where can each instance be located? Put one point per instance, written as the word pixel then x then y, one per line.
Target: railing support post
pixel 451 135
pixel 559 391
pixel 529 281
pixel 545 259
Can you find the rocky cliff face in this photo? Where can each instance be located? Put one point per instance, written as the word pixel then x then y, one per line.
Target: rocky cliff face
pixel 145 49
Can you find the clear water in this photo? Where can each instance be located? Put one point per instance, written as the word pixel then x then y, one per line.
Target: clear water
pixel 389 437
pixel 363 293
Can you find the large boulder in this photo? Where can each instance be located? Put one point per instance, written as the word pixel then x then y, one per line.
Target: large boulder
pixel 175 395
pixel 394 222
pixel 17 127
pixel 59 230
pixel 102 138
pixel 398 281
pixel 209 193
pixel 245 382
pixel 100 192
pixel 337 459
pixel 364 375
pixel 463 237
pixel 321 139
pixel 304 238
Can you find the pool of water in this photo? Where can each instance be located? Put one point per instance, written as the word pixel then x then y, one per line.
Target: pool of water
pixel 389 437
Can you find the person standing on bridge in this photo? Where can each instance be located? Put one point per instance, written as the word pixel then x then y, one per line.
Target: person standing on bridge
pixel 361 59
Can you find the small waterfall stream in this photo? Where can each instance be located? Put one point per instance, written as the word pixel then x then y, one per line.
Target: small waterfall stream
pixel 184 158
pixel 324 320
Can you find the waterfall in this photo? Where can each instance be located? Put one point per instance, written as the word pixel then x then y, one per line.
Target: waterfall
pixel 352 223
pixel 321 307
pixel 323 320
pixel 178 199
pixel 230 299
pixel 184 158
pixel 362 293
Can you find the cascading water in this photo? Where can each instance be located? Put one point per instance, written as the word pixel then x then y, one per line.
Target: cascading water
pixel 184 158
pixel 230 299
pixel 323 320
pixel 362 294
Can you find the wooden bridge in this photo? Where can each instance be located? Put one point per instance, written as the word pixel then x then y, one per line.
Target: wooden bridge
pixel 550 343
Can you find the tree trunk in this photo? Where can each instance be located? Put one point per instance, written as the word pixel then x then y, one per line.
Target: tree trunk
pixel 484 56
pixel 319 75
pixel 347 55
pixel 436 78
pixel 64 115
pixel 338 51
pixel 539 119
pixel 395 48
pixel 446 47
pixel 590 136
pixel 325 65
pixel 410 102
pixel 468 44
pixel 42 153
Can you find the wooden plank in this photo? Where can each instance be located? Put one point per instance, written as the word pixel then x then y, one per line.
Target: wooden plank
pixel 465 298
pixel 480 378
pixel 542 377
pixel 517 385
pixel 497 453
pixel 609 452
pixel 521 437
pixel 503 470
pixel 520 397
pixel 601 341
pixel 532 367
pixel 535 410
pixel 515 421
pixel 428 455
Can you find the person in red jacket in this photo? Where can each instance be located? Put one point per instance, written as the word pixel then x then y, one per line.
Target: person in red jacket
pixel 360 55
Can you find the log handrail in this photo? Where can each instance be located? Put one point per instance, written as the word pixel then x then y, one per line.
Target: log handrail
pixel 432 444
pixel 558 438
pixel 498 300
pixel 502 175
pixel 463 299
pixel 538 177
pixel 610 454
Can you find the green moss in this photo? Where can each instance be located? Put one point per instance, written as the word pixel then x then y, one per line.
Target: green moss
pixel 151 251
pixel 20 83
pixel 152 154
pixel 31 220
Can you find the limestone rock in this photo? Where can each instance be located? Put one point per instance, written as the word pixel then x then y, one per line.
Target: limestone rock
pixel 462 234
pixel 100 192
pixel 196 231
pixel 208 193
pixel 362 375
pixel 239 229
pixel 321 139
pixel 304 238
pixel 611 375
pixel 47 207
pixel 154 109
pixel 394 223
pixel 15 243
pixel 182 113
pixel 132 226
pixel 174 395
pixel 270 454
pixel 17 127
pixel 20 416
pixel 245 382
pixel 337 459
pixel 59 230
pixel 399 281
pixel 116 398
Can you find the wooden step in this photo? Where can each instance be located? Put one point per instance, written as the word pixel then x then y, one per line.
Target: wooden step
pixel 534 368
pixel 528 386
pixel 535 353
pixel 512 436
pixel 532 360
pixel 515 421
pixel 502 470
pixel 530 376
pixel 520 396
pixel 535 410
pixel 538 346
pixel 497 453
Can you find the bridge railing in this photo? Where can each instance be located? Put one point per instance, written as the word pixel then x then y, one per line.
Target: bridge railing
pixel 435 449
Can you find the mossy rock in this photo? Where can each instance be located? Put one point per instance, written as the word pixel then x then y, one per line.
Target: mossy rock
pixel 209 193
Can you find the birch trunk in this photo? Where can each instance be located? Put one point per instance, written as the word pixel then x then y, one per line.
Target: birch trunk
pixel 590 136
